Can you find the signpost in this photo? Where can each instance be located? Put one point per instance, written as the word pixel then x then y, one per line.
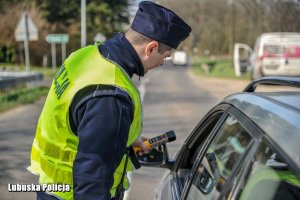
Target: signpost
pixel 83 23
pixel 26 31
pixel 54 39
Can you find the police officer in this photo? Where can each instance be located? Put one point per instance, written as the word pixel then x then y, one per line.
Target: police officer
pixel 93 110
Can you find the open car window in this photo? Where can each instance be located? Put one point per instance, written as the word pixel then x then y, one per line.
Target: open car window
pixel 219 160
pixel 190 155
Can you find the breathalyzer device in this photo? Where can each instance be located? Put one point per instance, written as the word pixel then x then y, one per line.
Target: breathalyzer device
pixel 157 141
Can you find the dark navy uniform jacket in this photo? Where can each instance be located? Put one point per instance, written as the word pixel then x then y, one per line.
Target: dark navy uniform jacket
pixel 101 117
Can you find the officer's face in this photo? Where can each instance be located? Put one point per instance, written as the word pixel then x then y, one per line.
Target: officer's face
pixel 153 58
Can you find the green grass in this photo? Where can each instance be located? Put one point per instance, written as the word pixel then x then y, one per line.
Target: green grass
pixel 21 96
pixel 219 68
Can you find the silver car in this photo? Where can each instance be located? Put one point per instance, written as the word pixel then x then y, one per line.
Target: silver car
pixel 246 147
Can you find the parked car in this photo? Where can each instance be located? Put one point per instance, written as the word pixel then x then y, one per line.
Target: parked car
pixel 274 54
pixel 179 58
pixel 246 147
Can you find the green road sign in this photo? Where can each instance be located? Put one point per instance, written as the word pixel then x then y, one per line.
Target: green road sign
pixel 57 38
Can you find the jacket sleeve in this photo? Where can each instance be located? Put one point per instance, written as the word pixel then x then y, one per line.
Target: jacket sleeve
pixel 103 128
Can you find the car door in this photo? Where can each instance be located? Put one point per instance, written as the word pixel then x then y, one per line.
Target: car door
pixel 221 158
pixel 173 183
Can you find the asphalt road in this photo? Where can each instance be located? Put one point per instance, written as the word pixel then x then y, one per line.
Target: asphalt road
pixel 173 99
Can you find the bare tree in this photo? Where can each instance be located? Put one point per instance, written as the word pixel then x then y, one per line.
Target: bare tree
pixel 218 24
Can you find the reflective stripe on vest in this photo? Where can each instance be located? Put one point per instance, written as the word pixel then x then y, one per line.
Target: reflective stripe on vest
pixel 55 146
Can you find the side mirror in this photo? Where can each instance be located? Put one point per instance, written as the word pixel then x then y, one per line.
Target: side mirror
pixel 208 175
pixel 158 157
pixel 204 180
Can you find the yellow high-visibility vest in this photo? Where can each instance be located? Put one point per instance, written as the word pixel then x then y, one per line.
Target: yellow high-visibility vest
pixel 55 145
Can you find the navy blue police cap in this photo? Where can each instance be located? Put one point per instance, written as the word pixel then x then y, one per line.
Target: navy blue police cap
pixel 160 23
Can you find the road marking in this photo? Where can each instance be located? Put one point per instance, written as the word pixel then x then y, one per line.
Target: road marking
pixel 142 89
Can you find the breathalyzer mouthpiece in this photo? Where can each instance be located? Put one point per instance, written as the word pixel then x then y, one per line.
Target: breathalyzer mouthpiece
pixel 171 136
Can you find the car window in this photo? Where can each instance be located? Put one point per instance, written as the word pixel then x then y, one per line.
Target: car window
pixel 219 160
pixel 270 177
pixel 189 157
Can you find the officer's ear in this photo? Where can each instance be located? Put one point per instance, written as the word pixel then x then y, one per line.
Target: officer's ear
pixel 150 47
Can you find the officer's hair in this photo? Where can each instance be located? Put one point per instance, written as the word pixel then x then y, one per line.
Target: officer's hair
pixel 138 39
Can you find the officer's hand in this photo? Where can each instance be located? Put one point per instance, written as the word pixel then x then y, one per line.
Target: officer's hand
pixel 140 143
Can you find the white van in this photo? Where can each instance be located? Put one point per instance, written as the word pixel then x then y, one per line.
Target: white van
pixel 273 54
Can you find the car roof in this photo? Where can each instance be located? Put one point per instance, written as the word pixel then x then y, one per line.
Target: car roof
pixel 280 34
pixel 277 114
